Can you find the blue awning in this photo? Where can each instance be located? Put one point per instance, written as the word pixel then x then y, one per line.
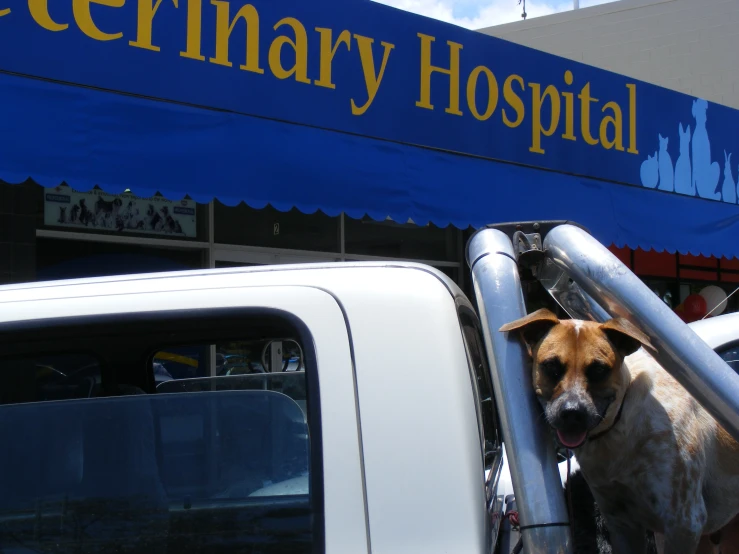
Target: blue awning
pixel 87 137
pixel 359 108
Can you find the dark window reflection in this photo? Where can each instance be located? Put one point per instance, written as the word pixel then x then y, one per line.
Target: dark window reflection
pixel 268 227
pixel 386 238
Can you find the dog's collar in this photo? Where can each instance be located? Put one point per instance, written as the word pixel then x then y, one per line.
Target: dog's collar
pixel 615 421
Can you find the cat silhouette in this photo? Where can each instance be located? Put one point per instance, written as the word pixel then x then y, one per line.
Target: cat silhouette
pixel 666 171
pixel 683 175
pixel 705 173
pixel 650 171
pixel 728 189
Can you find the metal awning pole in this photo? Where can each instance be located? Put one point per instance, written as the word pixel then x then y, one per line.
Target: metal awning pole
pixel 680 351
pixel 531 454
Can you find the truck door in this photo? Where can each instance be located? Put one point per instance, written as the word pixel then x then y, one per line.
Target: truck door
pixel 191 421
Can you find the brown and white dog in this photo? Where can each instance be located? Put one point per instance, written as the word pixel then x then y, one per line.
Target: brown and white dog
pixel 652 456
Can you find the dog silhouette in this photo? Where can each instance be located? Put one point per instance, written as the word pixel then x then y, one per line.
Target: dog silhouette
pixel 705 172
pixel 666 171
pixel 728 188
pixel 683 175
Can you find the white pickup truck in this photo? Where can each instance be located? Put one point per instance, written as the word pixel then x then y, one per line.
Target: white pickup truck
pixel 335 408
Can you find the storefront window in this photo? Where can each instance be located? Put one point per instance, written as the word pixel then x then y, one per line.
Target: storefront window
pixel 222 264
pixel 674 277
pixel 17 232
pixel 271 228
pixel 667 291
pixel 451 272
pixel 71 259
pixel 390 239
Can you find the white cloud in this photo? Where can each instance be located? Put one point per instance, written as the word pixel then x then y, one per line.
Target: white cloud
pixel 476 14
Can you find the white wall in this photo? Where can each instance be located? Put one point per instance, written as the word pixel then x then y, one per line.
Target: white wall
pixel 687 45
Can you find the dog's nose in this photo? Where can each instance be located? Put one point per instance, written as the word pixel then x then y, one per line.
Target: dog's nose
pixel 573 415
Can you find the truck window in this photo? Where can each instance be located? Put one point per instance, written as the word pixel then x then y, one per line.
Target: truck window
pixel 49 377
pixel 125 438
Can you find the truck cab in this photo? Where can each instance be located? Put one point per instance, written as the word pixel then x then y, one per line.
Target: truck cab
pixel 383 431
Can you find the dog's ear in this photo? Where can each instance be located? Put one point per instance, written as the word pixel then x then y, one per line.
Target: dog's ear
pixel 626 336
pixel 532 327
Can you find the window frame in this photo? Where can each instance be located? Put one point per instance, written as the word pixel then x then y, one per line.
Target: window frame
pixel 492 460
pixel 75 334
pixel 466 312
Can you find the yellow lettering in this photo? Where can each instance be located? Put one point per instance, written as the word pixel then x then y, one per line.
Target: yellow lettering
pixel 537 101
pixel 328 51
pixel 224 28
pixel 371 79
pixel 145 18
pixel 39 10
pixel 194 30
pixel 300 46
pixel 616 121
pixel 632 119
pixel 492 92
pixel 514 100
pixel 83 17
pixel 5 11
pixel 427 70
pixel 585 101
pixel 569 133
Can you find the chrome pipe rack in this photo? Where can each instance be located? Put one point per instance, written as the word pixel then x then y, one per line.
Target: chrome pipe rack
pixel 530 449
pixel 603 278
pixel 590 283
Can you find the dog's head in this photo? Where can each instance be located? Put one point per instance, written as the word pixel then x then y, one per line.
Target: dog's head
pixel 577 368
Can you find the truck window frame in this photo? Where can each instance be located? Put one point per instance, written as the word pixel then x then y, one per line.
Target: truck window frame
pixel 487 416
pixel 49 336
pixel 480 375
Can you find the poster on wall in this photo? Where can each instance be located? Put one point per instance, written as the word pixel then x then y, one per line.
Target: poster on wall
pixel 97 210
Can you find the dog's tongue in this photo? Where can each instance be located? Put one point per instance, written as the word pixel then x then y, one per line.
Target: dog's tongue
pixel 571 440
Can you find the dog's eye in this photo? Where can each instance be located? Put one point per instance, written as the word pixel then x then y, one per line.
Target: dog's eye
pixel 597 371
pixel 553 368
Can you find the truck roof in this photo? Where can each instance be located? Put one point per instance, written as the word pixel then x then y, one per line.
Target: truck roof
pixel 339 278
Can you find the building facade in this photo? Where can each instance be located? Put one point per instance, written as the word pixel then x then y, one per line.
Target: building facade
pixel 685 45
pixel 324 136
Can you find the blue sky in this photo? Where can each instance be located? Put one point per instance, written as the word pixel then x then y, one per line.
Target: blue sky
pixel 475 14
pixel 468 9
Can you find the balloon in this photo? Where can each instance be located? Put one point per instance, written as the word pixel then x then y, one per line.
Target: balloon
pixel 682 316
pixel 714 296
pixel 695 307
